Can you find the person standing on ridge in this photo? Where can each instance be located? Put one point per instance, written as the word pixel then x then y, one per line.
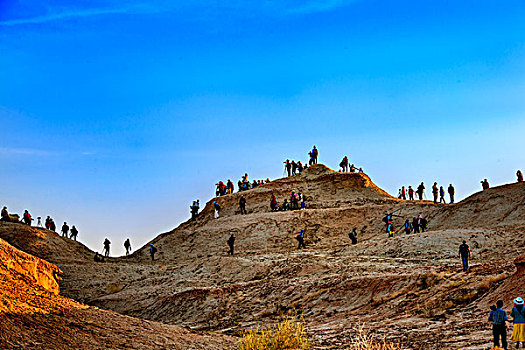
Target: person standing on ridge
pixel 410 193
pixel 421 190
pixel 300 239
pixel 315 154
pixel 74 233
pixel 152 251
pixel 27 218
pixel 229 186
pixel 344 164
pixel 403 193
pixel 464 253
pixel 519 175
pixel 231 243
pixel 435 192
pixel 441 195
pixel 127 245
pixel 288 167
pixel 294 167
pixel 518 315
pixel 65 229
pixel 5 214
pixel 242 205
pixel 485 185
pixel 451 192
pixel 107 243
pixel 500 325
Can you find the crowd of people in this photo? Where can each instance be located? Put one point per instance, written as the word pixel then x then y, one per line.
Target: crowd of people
pixel 500 323
pixel 294 202
pixel 437 192
pixel 345 168
pixel 415 225
pixel 244 184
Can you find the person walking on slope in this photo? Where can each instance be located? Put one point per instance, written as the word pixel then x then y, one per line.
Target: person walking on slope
pixel 518 315
pixel 74 233
pixel 107 243
pixel 415 224
pixel 300 239
pixel 500 325
pixel 231 243
pixel 451 192
pixel 441 195
pixel 435 192
pixel 217 208
pixel 410 193
pixel 422 223
pixel 408 226
pixel 464 254
pixel 242 205
pixel 519 175
pixel 65 229
pixel 315 154
pixel 127 245
pixel 420 191
pixel 152 251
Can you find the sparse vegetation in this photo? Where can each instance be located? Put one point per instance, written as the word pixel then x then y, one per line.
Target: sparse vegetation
pixel 365 341
pixel 289 334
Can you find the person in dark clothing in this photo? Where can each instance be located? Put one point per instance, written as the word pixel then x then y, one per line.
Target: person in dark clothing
pixel 420 191
pixel 300 239
pixel 74 233
pixel 315 154
pixel 127 245
pixel 435 192
pixel 422 223
pixel 152 251
pixel 231 243
pixel 403 193
pixel 464 254
pixel 353 235
pixel 27 218
pixel 48 223
pixel 344 164
pixel 294 167
pixel 107 243
pixel 441 195
pixel 194 209
pixel 65 229
pixel 415 224
pixel 5 214
pixel 242 205
pixel 288 167
pixel 519 175
pixel 407 226
pixel 410 193
pixel 273 203
pixel 451 192
pixel 52 225
pixel 229 186
pixel 500 325
pixel 485 184
pixel 98 257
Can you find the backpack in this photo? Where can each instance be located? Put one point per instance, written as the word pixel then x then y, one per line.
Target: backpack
pixel 315 152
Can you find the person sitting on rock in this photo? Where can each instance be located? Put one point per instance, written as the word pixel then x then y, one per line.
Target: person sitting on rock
pixel 5 214
pixel 98 257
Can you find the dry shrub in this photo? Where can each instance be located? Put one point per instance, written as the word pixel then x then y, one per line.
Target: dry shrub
pixel 487 283
pixel 289 334
pixel 114 288
pixel 364 341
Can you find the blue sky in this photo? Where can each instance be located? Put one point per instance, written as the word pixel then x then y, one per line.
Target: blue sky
pixel 117 114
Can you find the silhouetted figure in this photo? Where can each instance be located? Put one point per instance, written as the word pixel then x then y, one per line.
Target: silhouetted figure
pixel 485 184
pixel 435 192
pixel 519 175
pixel 152 251
pixel 194 210
pixel 52 225
pixel 300 239
pixel 273 203
pixel 403 193
pixel 127 245
pixel 242 205
pixel 107 243
pixel 420 191
pixel 294 167
pixel 231 243
pixel 315 154
pixel 344 164
pixel 500 326
pixel 229 186
pixel 27 218
pixel 74 233
pixel 353 235
pixel 441 195
pixel 451 191
pixel 288 167
pixel 464 254
pixel 48 222
pixel 5 214
pixel 65 229
pixel 410 193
